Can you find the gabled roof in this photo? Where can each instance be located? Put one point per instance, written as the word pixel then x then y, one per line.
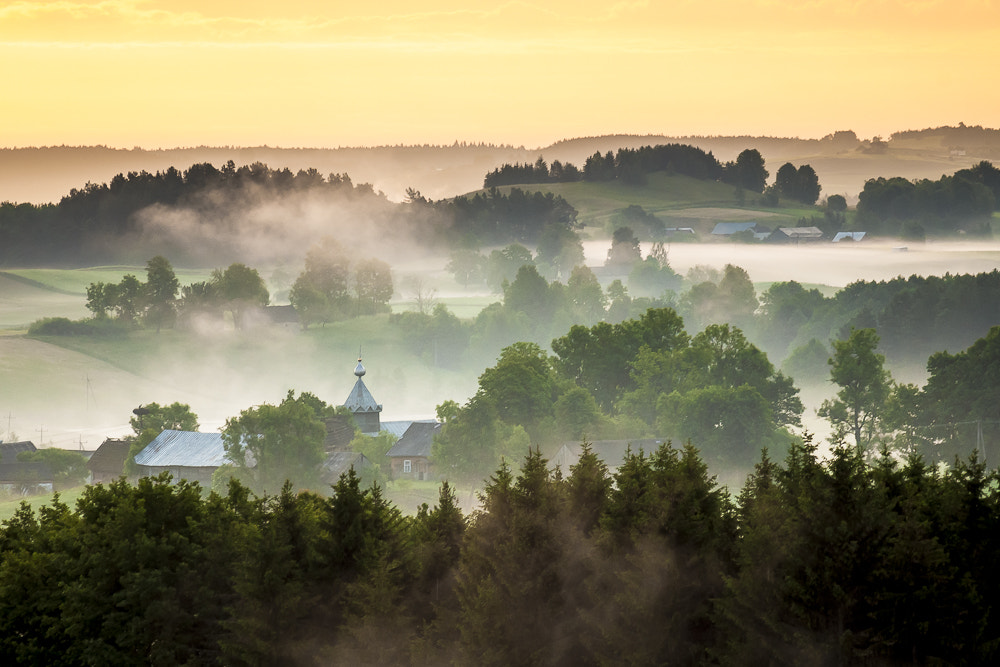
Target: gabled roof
pixel 853 236
pixel 398 428
pixel 416 441
pixel 727 228
pixel 10 450
pixel 110 456
pixel 361 400
pixel 34 471
pixel 802 232
pixel 184 449
pixel 337 463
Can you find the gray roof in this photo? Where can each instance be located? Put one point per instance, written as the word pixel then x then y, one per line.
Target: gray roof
pixel 110 456
pixel 337 463
pixel 802 232
pixel 10 450
pixel 184 448
pixel 398 428
pixel 360 399
pixel 727 228
pixel 854 236
pixel 417 440
pixel 25 472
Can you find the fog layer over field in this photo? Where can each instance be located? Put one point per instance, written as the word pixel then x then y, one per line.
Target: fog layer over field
pixel 827 263
pixel 67 398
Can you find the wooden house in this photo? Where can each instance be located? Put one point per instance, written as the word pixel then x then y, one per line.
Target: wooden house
pixel 410 457
pixel 108 463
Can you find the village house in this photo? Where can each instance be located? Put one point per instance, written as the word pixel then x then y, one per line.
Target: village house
pixel 410 457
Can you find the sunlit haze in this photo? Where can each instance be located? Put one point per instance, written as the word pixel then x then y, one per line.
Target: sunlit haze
pixel 150 73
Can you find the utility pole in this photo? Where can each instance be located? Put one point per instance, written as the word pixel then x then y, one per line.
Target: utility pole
pixel 41 435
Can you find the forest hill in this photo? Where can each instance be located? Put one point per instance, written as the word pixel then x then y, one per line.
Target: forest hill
pixel 841 561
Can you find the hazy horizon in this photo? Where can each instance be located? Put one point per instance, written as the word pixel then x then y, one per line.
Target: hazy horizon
pixel 156 74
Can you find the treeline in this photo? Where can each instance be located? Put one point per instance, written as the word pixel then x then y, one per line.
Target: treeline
pixel 632 165
pixel 843 561
pixel 915 316
pixel 205 214
pixel 962 202
pixel 99 221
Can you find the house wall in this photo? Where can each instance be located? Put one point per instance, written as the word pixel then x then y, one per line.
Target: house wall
pixel 201 475
pixel 420 468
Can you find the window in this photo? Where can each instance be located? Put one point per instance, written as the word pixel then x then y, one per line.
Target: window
pixel 406 465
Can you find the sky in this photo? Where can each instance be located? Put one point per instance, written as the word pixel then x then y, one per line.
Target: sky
pixel 310 73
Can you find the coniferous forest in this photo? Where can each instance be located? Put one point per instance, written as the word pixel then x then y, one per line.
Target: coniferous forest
pixel 843 561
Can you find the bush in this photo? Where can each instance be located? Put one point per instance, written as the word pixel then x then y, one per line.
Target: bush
pixel 61 326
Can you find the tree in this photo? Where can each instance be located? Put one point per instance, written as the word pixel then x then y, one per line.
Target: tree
pixel 270 444
pixel 747 172
pixel 373 284
pixel 624 251
pixel 864 384
pixel 161 292
pixel 241 289
pixel 68 468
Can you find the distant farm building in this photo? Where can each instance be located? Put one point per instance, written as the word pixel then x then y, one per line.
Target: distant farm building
pixel 25 479
pixel 410 457
pixel 10 450
pixel 184 454
pixel 108 463
pixel 796 235
pixel 849 236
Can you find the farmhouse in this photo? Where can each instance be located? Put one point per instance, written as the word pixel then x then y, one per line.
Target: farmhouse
pixel 410 457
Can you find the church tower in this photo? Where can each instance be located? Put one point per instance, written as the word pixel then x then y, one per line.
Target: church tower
pixel 362 404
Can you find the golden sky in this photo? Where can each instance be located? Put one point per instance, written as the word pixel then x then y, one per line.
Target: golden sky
pixel 153 73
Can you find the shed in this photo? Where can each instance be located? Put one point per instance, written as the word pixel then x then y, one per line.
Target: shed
pixel 410 457
pixel 184 454
pixel 10 450
pixel 25 479
pixel 108 462
pixel 795 235
pixel 849 236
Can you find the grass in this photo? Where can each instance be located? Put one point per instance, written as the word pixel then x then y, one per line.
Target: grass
pixel 67 496
pixel 677 200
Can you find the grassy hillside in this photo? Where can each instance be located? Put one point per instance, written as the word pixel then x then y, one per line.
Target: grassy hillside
pixel 680 201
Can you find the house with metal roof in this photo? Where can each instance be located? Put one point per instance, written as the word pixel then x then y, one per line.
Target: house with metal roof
pixel 184 454
pixel 796 235
pixel 410 457
pixel 361 402
pixel 849 236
